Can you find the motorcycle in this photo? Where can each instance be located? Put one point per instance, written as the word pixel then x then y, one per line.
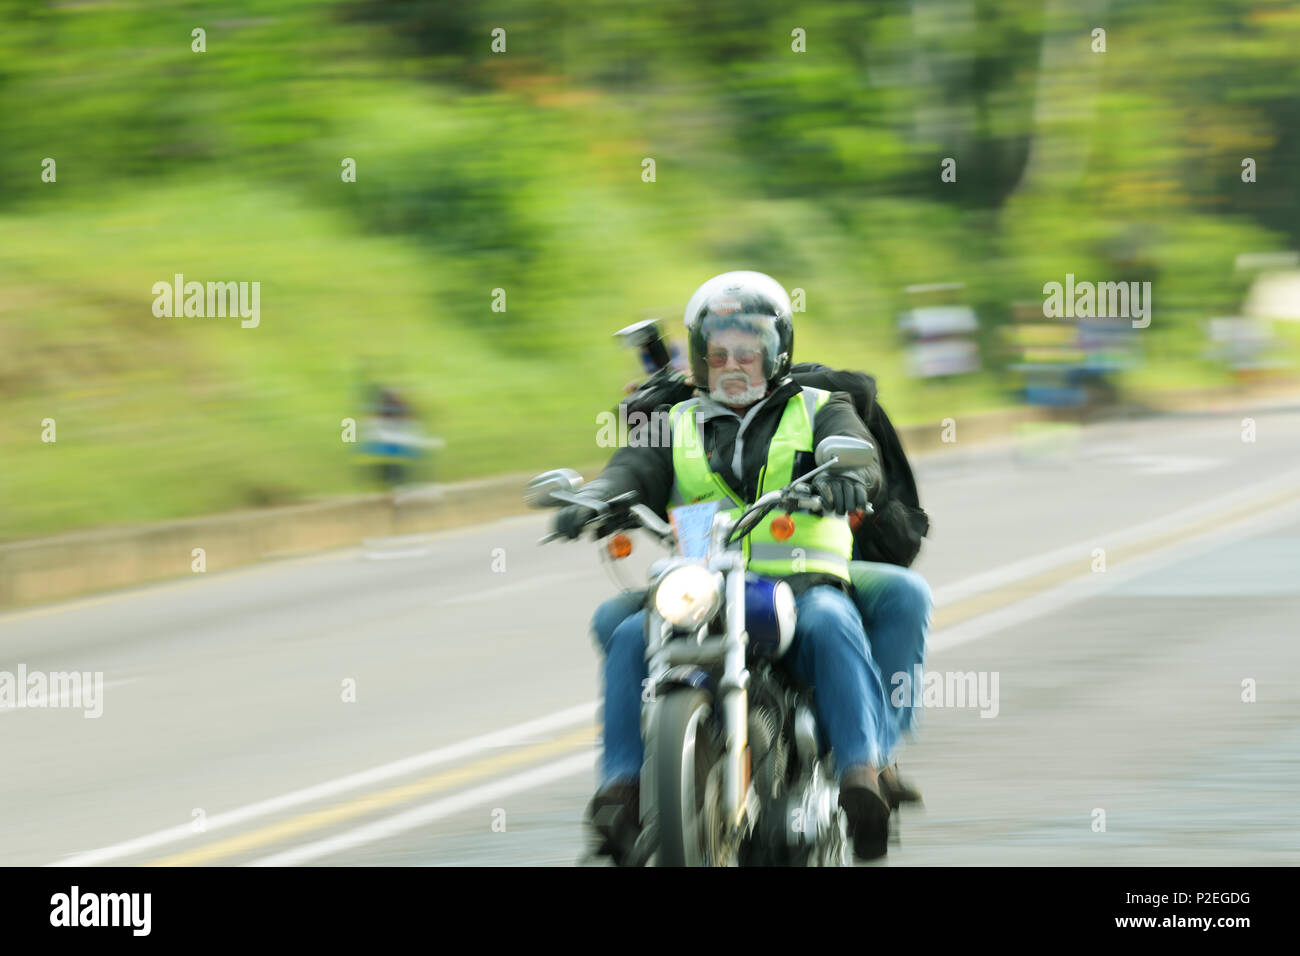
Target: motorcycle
pixel 734 773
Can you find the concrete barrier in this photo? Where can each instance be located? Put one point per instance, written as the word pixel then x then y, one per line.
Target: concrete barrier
pixel 53 569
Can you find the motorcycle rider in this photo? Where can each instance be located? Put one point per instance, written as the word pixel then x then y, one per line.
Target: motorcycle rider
pixel 894 601
pixel 752 430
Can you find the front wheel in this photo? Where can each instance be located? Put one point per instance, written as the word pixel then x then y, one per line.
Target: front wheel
pixel 687 774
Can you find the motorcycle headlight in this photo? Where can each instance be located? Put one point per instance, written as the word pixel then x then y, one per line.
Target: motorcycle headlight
pixel 689 596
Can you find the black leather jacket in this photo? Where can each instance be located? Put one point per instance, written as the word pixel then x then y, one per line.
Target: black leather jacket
pixel 736 449
pixel 893 534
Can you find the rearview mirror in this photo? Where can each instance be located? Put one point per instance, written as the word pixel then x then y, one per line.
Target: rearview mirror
pixel 850 452
pixel 538 492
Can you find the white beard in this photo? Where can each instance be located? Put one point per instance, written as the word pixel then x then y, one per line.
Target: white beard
pixel 748 397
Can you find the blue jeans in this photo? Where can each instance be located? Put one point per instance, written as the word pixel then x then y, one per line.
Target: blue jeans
pixel 894 604
pixel 829 652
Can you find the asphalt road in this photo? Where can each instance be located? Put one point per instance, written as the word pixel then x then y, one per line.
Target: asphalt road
pixel 1120 736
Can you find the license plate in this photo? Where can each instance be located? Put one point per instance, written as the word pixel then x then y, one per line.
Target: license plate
pixel 691 524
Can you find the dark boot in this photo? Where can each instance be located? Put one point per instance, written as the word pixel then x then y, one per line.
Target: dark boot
pixel 868 812
pixel 614 816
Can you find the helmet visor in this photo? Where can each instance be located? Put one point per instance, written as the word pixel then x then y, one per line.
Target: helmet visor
pixel 730 340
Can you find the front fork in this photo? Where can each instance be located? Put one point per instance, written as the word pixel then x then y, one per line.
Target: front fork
pixel 734 695
pixel 731 699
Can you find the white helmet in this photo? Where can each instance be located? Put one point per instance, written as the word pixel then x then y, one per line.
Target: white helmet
pixel 751 300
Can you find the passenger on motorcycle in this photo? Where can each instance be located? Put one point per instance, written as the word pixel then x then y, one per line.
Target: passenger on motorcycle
pixel 752 418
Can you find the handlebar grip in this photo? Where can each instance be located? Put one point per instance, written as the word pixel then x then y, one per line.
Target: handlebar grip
pixel 803 498
pixel 813 504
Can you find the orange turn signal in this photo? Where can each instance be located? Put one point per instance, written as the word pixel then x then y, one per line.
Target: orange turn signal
pixel 620 546
pixel 782 527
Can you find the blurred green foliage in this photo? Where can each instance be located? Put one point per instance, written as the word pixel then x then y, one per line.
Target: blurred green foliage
pixel 522 170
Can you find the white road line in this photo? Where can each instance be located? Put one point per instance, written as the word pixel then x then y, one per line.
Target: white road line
pixel 65 701
pixel 396 555
pixel 517 586
pixel 429 812
pixel 1093 584
pixel 981 626
pixel 1169 464
pixel 506 737
pixel 1081 552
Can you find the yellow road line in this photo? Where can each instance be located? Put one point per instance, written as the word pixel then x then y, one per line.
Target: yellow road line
pixel 277 832
pixel 946 617
pixel 1011 593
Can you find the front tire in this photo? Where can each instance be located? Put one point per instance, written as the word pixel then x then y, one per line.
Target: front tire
pixel 687 775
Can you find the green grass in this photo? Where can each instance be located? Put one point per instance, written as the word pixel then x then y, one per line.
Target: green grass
pixel 159 418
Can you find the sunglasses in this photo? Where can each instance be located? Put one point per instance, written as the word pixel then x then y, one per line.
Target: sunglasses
pixel 718 358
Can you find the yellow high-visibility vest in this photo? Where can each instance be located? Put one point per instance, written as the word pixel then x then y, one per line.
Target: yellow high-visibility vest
pixel 819 544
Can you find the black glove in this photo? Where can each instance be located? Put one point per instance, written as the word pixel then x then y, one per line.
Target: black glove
pixel 571 519
pixel 842 493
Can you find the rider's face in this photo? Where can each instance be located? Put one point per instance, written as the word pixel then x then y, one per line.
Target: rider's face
pixel 735 360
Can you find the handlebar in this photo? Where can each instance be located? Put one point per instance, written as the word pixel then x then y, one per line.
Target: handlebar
pixel 797 497
pixel 623 513
pixel 618 514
